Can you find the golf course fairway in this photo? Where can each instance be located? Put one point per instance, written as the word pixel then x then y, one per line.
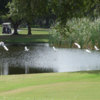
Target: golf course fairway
pixel 51 86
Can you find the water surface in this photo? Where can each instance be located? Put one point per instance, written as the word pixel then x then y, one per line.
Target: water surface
pixel 42 58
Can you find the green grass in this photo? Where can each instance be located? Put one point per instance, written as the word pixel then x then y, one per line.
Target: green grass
pixel 34 31
pixel 38 35
pixel 0 30
pixel 25 39
pixel 51 86
pixel 23 31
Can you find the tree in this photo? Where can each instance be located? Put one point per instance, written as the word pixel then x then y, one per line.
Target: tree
pixel 32 9
pixel 14 15
pixel 67 9
pixel 94 12
pixel 27 11
pixel 3 9
pixel 26 14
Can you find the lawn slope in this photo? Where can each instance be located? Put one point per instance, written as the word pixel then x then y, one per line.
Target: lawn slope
pixel 52 86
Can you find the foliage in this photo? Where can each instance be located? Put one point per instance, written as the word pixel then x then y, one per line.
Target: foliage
pixel 13 11
pixel 14 15
pixel 3 8
pixel 81 30
pixel 95 9
pixel 27 11
pixel 64 10
pixel 67 9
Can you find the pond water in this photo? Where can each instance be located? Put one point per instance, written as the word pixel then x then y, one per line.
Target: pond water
pixel 41 58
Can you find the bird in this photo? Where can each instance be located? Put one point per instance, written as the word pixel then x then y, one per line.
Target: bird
pixel 77 45
pixel 26 49
pixel 96 48
pixel 4 46
pixel 88 51
pixel 1 43
pixel 54 48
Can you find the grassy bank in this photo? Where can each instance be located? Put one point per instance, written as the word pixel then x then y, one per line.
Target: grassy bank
pixel 25 39
pixel 52 86
pixel 38 35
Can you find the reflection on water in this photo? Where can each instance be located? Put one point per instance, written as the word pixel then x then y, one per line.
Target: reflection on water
pixel 42 58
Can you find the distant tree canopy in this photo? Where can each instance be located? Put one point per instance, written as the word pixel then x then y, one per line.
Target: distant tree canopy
pixel 95 9
pixel 66 9
pixel 32 9
pixel 29 10
pixel 3 8
pixel 23 10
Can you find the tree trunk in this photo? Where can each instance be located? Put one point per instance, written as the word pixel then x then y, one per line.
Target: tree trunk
pixel 15 26
pixel 47 23
pixel 29 29
pixel 15 30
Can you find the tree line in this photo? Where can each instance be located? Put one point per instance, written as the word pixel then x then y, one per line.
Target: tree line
pixel 24 11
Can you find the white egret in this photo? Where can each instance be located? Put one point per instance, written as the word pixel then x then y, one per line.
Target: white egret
pixel 96 48
pixel 26 49
pixel 88 51
pixel 54 48
pixel 0 44
pixel 77 45
pixel 4 46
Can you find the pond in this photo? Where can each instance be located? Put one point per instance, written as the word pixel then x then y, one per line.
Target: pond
pixel 41 58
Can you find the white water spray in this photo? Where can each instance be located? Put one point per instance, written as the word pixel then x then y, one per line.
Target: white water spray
pixel 64 60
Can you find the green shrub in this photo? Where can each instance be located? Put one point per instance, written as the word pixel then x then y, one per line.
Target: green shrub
pixel 81 30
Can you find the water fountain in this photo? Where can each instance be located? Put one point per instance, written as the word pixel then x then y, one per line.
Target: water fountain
pixel 42 58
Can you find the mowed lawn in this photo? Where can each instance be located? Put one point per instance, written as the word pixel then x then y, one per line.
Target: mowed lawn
pixel 34 31
pixel 38 35
pixel 24 31
pixel 51 86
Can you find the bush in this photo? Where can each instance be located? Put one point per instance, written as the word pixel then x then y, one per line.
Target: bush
pixel 81 30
